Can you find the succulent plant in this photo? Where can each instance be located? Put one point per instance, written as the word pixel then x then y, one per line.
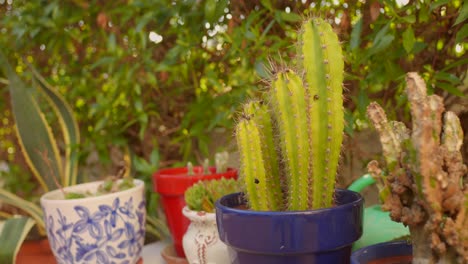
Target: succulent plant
pixel 221 160
pixel 424 184
pixel 290 142
pixel 202 195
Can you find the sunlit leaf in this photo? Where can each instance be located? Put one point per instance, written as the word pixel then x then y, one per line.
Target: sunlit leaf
pixel 356 35
pixel 409 19
pixel 408 39
pixel 69 126
pixel 38 144
pixel 462 34
pixel 463 14
pixel 450 88
pixel 12 234
pixel 32 209
pixel 437 4
pixel 267 4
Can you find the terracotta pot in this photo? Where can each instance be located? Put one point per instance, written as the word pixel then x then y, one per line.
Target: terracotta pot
pixel 170 256
pixel 171 184
pixel 38 251
pixel 201 241
pixel 35 251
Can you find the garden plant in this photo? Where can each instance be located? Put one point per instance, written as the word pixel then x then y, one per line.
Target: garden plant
pixel 115 197
pixel 290 142
pixel 424 183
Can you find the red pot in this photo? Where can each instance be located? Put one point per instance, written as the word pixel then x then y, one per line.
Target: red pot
pixel 35 251
pixel 171 185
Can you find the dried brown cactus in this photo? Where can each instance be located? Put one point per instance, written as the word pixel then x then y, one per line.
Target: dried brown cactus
pixel 425 182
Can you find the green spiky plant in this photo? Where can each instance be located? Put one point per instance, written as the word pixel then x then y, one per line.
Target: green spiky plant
pixel 221 161
pixel 202 195
pixel 40 148
pixel 290 142
pixel 424 184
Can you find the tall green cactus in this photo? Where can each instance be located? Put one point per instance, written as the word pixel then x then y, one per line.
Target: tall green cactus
pixel 290 146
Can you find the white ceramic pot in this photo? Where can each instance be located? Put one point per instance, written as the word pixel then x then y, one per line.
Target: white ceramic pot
pixel 201 241
pixel 103 229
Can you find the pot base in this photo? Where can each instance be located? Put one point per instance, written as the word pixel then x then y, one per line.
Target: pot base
pixel 341 257
pixel 170 255
pixel 394 260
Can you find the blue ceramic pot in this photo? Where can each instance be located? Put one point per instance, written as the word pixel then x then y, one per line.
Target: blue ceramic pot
pixel 316 236
pixel 382 251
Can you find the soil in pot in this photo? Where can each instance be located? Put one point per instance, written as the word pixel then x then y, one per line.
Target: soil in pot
pixel 393 260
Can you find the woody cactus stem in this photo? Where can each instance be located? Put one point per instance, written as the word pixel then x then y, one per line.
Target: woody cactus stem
pixel 424 184
pixel 301 141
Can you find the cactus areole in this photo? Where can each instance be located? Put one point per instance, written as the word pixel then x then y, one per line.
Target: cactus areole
pixel 289 144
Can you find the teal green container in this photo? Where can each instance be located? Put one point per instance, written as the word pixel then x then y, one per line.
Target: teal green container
pixel 378 227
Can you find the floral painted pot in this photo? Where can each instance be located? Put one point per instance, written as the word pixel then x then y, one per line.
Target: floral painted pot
pixel 108 228
pixel 201 241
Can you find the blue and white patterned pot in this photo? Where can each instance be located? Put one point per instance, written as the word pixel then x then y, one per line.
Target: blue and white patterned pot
pixel 103 229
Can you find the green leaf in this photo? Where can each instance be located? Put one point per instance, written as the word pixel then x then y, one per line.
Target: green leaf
pixel 462 34
pixel 455 64
pixel 30 208
pixel 12 234
pixel 381 45
pixel 463 14
pixel 68 124
pixel 444 76
pixel 356 35
pixel 267 4
pixel 37 142
pixel 143 20
pixel 409 19
pixel 437 4
pixel 408 39
pixel 450 88
pixel 210 10
pixel 288 17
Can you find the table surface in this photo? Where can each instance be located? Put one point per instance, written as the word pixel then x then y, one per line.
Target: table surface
pixel 151 253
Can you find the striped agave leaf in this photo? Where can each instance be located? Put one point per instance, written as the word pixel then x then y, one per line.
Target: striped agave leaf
pixel 37 142
pixel 12 234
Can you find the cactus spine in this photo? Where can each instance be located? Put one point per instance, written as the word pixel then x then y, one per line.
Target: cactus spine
pixel 290 147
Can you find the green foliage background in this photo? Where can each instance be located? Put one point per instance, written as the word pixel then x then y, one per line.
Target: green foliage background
pixel 128 90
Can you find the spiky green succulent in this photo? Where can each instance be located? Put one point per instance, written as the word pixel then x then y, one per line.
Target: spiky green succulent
pixel 202 195
pixel 290 144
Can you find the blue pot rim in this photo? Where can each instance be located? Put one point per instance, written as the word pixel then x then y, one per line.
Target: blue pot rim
pixel 218 204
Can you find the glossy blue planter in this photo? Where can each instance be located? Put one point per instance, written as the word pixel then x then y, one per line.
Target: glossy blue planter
pixel 317 236
pixel 381 251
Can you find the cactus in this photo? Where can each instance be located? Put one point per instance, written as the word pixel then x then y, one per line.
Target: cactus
pixel 202 195
pixel 290 145
pixel 425 183
pixel 221 161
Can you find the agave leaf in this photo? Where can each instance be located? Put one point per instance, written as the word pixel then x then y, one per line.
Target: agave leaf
pixel 37 142
pixel 68 124
pixel 30 208
pixel 12 234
